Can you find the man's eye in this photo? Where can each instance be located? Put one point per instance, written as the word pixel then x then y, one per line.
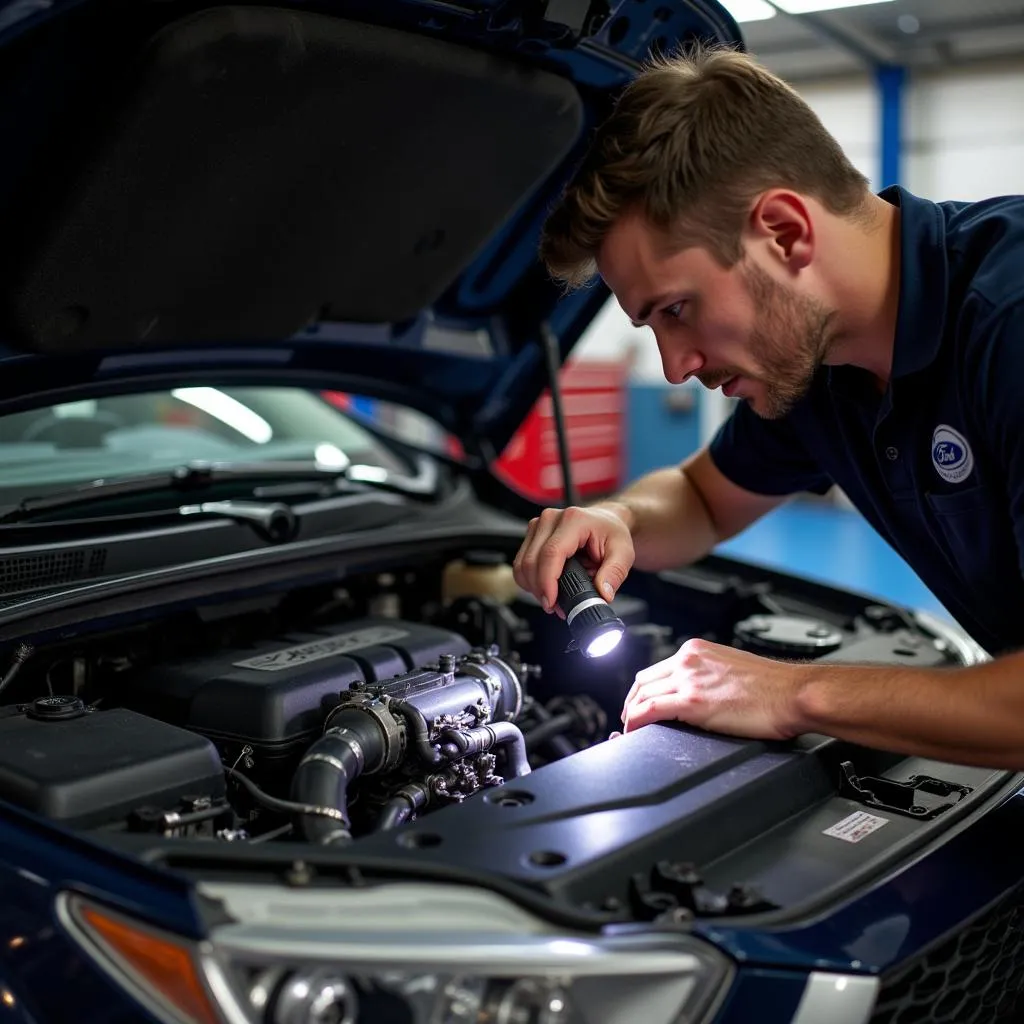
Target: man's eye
pixel 674 310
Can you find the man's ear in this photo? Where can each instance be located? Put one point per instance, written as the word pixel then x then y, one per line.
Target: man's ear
pixel 782 219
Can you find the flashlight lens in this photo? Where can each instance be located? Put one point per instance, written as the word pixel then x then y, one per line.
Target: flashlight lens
pixel 604 643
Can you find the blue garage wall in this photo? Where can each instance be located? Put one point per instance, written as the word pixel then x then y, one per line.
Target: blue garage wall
pixel 832 545
pixel 660 431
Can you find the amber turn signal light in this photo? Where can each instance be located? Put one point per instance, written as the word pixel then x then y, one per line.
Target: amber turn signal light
pixel 162 966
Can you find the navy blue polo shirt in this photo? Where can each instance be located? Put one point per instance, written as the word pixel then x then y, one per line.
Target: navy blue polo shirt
pixel 936 463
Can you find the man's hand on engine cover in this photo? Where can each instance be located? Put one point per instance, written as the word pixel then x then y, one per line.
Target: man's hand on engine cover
pixel 717 688
pixel 971 715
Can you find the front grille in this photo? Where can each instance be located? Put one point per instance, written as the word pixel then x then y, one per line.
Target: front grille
pixel 974 977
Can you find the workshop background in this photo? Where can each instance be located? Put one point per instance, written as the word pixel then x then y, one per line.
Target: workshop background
pixel 928 94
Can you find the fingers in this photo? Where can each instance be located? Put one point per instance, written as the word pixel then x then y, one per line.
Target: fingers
pixel 641 693
pixel 669 677
pixel 524 567
pixel 659 670
pixel 571 532
pixel 664 708
pixel 618 560
pixel 690 655
pixel 555 536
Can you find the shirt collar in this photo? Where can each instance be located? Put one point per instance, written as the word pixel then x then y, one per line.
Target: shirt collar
pixel 924 275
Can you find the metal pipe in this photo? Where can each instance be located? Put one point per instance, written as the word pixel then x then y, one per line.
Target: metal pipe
pixel 867 48
pixel 509 736
pixel 551 351
pixel 890 80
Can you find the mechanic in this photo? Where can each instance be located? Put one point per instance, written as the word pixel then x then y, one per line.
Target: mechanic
pixel 876 342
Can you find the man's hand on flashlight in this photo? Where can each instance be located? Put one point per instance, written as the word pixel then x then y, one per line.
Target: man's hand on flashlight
pixel 602 539
pixel 719 689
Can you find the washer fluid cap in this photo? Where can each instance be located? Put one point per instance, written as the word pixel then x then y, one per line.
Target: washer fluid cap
pixel 56 709
pixel 787 636
pixel 484 558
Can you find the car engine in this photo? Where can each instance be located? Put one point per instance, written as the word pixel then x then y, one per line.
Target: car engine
pixel 335 717
pixel 324 731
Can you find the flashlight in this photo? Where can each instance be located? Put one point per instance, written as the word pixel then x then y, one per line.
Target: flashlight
pixel 595 628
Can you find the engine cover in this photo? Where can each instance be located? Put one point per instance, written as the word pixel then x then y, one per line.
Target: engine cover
pixel 91 769
pixel 670 820
pixel 273 697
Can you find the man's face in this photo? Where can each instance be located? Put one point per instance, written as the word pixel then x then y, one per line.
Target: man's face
pixel 737 329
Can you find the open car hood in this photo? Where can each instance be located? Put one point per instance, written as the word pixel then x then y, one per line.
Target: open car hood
pixel 348 192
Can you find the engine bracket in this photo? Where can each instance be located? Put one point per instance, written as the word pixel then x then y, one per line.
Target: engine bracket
pixel 900 797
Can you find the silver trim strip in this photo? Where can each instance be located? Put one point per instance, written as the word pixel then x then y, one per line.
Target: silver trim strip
pixel 837 999
pixel 480 952
pixel 589 603
pixel 967 649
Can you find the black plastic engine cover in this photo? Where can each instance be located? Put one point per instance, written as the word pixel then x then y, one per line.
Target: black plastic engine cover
pixel 619 827
pixel 94 769
pixel 274 696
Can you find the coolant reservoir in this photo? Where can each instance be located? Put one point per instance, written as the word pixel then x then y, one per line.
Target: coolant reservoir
pixel 479 574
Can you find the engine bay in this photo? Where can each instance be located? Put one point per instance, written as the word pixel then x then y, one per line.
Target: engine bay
pixel 344 717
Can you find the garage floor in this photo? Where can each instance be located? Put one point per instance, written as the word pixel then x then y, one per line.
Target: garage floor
pixel 834 545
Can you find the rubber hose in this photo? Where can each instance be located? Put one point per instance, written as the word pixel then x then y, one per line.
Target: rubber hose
pixel 550 730
pixel 418 735
pixel 560 746
pixel 401 807
pixel 353 744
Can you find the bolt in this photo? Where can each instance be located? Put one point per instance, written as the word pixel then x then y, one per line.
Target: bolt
pixel 679 871
pixel 300 873
pixel 741 895
pixel 677 915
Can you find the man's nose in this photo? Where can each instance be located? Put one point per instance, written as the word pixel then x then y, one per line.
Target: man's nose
pixel 679 361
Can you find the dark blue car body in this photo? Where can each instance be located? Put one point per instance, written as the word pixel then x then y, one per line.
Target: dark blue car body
pixel 953 916
pixel 947 918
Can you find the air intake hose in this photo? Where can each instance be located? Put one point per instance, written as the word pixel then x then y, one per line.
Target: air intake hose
pixel 354 744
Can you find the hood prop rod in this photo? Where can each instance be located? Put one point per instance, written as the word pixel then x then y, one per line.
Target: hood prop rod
pixel 552 353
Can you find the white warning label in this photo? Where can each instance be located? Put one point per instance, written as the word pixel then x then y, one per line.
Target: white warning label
pixel 315 650
pixel 854 827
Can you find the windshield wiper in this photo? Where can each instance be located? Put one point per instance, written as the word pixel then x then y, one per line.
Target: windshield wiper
pixel 197 476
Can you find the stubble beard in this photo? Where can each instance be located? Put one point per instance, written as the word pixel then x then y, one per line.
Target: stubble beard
pixel 789 343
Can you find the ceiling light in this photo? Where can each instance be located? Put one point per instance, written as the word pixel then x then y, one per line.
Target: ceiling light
pixel 749 10
pixel 811 6
pixel 228 410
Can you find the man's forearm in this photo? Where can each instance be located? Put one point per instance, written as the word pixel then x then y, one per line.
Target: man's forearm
pixel 972 716
pixel 667 518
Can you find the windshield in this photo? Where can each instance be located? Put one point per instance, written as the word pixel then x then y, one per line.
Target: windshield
pixel 58 446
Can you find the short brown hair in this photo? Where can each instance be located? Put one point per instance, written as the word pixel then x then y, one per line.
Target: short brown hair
pixel 691 142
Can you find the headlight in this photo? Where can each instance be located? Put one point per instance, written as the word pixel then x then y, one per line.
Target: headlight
pixel 398 954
